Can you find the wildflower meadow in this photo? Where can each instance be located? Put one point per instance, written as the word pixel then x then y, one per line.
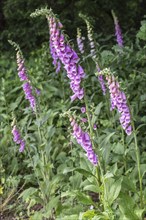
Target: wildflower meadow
pixel 73 124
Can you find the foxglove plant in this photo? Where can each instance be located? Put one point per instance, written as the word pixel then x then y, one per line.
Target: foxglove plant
pixel 84 140
pixel 119 101
pixel 68 57
pixel 118 32
pixel 80 40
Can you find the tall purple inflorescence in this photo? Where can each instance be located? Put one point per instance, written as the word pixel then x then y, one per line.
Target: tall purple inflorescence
pixel 17 138
pixel 119 101
pixel 68 57
pixel 118 32
pixel 83 139
pixel 23 77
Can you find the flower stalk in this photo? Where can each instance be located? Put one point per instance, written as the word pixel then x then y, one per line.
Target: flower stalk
pixel 138 165
pixel 118 32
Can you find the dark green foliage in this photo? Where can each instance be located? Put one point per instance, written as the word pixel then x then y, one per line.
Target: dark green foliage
pixel 17 25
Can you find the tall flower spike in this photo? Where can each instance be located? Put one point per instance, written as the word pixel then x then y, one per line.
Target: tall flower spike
pixel 67 56
pixel 91 40
pixel 90 35
pixel 83 139
pixel 17 138
pixel 80 40
pixel 119 101
pixel 27 88
pixel 118 32
pixel 22 73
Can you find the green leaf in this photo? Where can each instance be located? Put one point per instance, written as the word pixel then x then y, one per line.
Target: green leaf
pixel 113 188
pixel 86 173
pixel 118 148
pixel 106 140
pixel 128 184
pixel 26 194
pixel 143 169
pixel 139 212
pixel 142 32
pixel 92 188
pixel 15 104
pixel 68 217
pixel 88 215
pixel 108 175
pixel 52 204
pixel 37 215
pixel 76 180
pixel 84 198
pixel 96 113
pixel 68 170
pixel 126 206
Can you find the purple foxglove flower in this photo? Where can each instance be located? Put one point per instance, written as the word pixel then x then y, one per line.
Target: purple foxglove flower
pixel 94 126
pixel 28 94
pixel 83 139
pixel 119 101
pixel 17 138
pixel 84 120
pixel 83 109
pixel 38 92
pixel 118 34
pixel 21 68
pixel 61 51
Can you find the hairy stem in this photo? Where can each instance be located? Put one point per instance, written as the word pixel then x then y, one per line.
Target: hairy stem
pixel 138 166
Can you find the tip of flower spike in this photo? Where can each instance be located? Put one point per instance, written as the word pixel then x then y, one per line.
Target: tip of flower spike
pixel 41 12
pixel 15 45
pixel 113 13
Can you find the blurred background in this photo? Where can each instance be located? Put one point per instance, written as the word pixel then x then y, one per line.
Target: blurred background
pixel 17 25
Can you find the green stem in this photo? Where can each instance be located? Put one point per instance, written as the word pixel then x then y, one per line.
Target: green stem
pixel 138 166
pixel 38 181
pixel 89 120
pixel 125 164
pixel 39 131
pixel 99 167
